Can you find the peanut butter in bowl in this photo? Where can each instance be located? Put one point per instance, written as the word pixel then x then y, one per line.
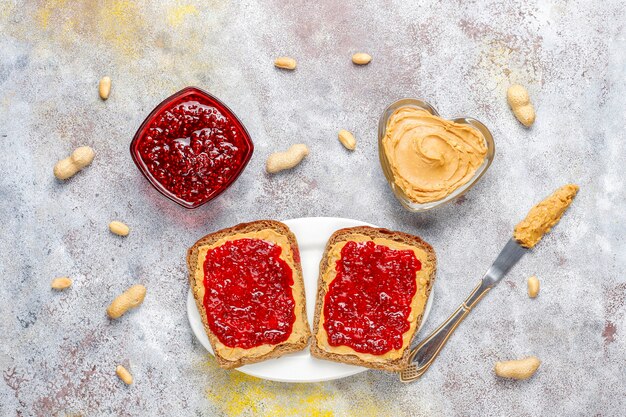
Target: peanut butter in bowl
pixel 429 160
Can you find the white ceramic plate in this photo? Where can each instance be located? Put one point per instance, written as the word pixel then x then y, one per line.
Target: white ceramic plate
pixel 312 234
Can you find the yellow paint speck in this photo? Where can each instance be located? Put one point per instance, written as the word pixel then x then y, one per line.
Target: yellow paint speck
pixel 118 24
pixel 121 24
pixel 236 394
pixel 46 11
pixel 176 15
pixel 6 8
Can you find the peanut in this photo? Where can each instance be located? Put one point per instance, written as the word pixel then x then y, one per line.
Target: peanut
pixel 285 62
pixel 61 283
pixel 280 161
pixel 131 298
pixel 124 375
pixel 518 369
pixel 79 159
pixel 104 87
pixel 119 228
pixel 361 58
pixel 347 139
pixel 533 286
pixel 519 100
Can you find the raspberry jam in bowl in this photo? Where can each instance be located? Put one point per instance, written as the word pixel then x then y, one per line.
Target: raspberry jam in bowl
pixel 191 147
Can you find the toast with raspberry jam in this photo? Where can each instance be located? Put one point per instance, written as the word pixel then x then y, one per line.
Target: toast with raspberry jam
pixel 248 286
pixel 372 291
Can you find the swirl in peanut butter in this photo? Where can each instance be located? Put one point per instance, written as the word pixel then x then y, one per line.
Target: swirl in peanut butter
pixel 431 157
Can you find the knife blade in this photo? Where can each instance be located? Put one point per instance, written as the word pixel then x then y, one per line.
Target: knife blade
pixel 427 350
pixel 539 221
pixel 509 255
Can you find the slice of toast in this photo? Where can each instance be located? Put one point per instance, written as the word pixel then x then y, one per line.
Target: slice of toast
pixel 395 359
pixel 270 231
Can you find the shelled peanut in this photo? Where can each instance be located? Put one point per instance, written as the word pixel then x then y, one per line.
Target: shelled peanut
pixel 361 58
pixel 124 375
pixel 104 87
pixel 533 286
pixel 61 283
pixel 285 62
pixel 347 139
pixel 119 228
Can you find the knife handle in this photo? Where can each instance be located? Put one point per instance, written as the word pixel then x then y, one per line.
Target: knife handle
pixel 428 349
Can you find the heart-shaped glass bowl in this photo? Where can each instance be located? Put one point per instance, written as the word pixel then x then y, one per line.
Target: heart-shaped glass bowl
pixel 384 162
pixel 215 109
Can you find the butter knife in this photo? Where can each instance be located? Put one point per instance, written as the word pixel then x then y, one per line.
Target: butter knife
pixel 423 355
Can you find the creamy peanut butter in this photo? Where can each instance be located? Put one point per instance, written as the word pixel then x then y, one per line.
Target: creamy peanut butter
pixel 300 326
pixel 542 218
pixel 418 303
pixel 431 157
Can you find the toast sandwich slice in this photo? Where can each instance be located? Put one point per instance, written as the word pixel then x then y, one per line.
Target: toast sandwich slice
pixel 372 291
pixel 248 286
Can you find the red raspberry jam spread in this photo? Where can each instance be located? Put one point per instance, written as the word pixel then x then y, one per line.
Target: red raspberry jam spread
pixel 368 303
pixel 248 298
pixel 191 147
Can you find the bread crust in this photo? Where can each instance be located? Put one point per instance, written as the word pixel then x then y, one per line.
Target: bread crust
pixel 192 262
pixel 341 235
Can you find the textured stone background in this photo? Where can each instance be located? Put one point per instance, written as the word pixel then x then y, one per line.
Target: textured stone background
pixel 59 351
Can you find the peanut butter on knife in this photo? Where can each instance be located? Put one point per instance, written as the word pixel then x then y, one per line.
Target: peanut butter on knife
pixel 544 216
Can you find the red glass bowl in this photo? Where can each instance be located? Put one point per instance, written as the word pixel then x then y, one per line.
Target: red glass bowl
pixel 171 110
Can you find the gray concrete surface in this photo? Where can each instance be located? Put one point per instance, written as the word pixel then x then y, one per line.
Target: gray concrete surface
pixel 59 351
